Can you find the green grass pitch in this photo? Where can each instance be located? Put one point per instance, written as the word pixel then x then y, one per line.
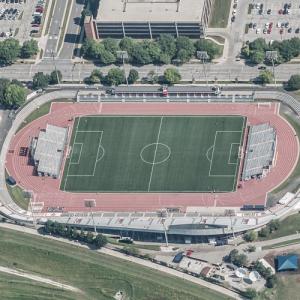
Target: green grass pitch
pixel 154 154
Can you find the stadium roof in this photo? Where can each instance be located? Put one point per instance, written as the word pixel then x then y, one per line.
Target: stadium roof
pixel 150 10
pixel 287 262
pixel 49 149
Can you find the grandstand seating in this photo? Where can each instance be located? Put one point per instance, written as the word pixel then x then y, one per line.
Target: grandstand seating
pixel 260 151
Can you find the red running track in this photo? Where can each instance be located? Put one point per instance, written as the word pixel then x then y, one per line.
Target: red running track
pixel 252 192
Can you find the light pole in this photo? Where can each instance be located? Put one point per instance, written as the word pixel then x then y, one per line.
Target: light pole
pixel 91 203
pixel 163 214
pixel 272 55
pixel 123 55
pixel 57 77
pixel 203 56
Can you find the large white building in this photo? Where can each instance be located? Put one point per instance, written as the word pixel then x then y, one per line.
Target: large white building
pixel 149 18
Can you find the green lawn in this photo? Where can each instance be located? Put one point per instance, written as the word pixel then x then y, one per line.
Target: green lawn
pixel 282 244
pixel 289 225
pixel 220 13
pixel 98 276
pixel 41 111
pixel 16 288
pixel 154 154
pixel 17 194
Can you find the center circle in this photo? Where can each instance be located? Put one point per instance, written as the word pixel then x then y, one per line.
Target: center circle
pixel 155 153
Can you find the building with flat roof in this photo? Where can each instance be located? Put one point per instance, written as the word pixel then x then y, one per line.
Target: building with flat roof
pixel 47 150
pixel 149 18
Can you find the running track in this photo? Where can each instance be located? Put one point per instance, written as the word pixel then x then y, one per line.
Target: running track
pixel 46 190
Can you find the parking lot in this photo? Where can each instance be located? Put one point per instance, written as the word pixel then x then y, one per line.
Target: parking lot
pixel 16 19
pixel 273 20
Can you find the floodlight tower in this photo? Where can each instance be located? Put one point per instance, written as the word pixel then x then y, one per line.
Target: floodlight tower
pixel 163 214
pixel 123 55
pixel 203 56
pixel 272 56
pixel 90 203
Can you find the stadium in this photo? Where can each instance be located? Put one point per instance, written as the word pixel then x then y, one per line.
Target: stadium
pixel 124 167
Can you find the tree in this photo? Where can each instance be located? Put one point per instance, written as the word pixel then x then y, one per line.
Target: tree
pixel 185 48
pixel 249 293
pixel 3 83
pixel 264 232
pixel 133 76
pixel 271 281
pixel 40 81
pixel 167 44
pixel 100 240
pixel 115 76
pixel 55 77
pixel 127 44
pixel 29 49
pixel 14 96
pixel 111 46
pixel 256 57
pixel 236 258
pixel 140 54
pixel 251 248
pixel 210 47
pixel 294 82
pixel 9 51
pixel 172 76
pixel 259 44
pixel 266 77
pixel 152 77
pixel 250 236
pixel 89 238
pixel 129 250
pixel 95 77
pixel 273 225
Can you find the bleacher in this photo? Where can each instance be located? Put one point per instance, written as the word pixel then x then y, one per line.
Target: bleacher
pixel 260 151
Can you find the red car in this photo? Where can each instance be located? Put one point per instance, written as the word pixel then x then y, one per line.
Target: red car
pixel 280 11
pixel 35 25
pixel 270 25
pixel 39 8
pixel 269 31
pixel 281 31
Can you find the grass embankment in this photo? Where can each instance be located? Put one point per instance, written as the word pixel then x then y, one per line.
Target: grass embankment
pixel 296 172
pixel 17 194
pixel 281 244
pixel 220 13
pixel 137 246
pixel 16 288
pixel 41 111
pixel 98 276
pixel 288 226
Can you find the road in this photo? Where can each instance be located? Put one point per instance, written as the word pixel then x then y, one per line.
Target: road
pixel 215 72
pixel 55 29
pixel 73 30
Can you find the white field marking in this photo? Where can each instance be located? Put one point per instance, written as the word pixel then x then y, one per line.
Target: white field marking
pixel 212 157
pixel 237 165
pixel 231 163
pixel 89 131
pixel 66 179
pixel 76 163
pixel 96 159
pixel 159 162
pixel 209 159
pixel 149 183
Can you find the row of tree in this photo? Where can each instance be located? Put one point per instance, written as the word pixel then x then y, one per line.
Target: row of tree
pixel 164 50
pixel 55 228
pixel 116 76
pixel 11 50
pixel 41 80
pixel 12 93
pixel 286 50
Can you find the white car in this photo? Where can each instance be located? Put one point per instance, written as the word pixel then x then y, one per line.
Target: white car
pixel 258 30
pixel 278 25
pixel 267 25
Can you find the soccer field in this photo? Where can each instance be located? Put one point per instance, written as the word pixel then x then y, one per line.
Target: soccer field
pixel 154 154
